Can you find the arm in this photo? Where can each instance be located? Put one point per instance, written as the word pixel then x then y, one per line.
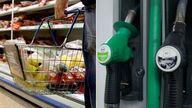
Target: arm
pixel 60 6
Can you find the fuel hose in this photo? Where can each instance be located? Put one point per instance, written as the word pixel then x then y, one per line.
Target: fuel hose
pixel 153 95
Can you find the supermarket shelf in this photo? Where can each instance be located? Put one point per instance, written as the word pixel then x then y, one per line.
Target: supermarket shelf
pixel 33 8
pixel 36 7
pixel 45 101
pixel 58 26
pixel 45 27
pixel 5 29
pixel 8 12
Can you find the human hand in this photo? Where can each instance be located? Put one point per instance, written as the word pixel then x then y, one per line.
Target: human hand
pixel 60 6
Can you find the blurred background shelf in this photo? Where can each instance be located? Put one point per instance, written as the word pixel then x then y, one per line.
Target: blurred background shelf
pixel 1 1
pixel 56 27
pixel 32 8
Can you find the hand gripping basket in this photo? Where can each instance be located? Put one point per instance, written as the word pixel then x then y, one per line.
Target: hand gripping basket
pixel 50 69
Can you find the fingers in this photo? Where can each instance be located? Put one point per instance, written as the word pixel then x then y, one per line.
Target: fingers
pixel 59 14
pixel 60 6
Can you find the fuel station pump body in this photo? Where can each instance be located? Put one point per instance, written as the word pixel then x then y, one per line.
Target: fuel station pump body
pixel 120 9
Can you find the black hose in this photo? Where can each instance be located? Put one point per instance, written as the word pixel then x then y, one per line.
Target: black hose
pixel 173 88
pixel 173 97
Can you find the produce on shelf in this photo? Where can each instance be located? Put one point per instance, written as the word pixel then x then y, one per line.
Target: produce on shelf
pixel 6 7
pixel 28 3
pixel 4 24
pixel 16 25
pixel 19 18
pixel 23 20
pixel 21 4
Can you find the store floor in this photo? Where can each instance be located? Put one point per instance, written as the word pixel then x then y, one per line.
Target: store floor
pixel 10 100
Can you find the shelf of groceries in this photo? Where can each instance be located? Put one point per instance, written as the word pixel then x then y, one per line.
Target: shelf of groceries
pixel 45 27
pixel 28 6
pixel 27 22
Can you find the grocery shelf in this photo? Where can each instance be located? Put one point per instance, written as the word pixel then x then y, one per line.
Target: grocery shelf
pixel 8 12
pixel 5 29
pixel 32 8
pixel 58 26
pixel 45 27
pixel 36 7
pixel 45 101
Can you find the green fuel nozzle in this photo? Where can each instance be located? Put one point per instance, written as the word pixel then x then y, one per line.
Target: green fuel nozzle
pixel 116 49
pixel 113 53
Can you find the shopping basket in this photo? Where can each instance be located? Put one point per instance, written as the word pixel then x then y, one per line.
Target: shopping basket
pixel 50 69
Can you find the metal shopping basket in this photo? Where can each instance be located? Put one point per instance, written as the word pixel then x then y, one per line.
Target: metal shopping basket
pixel 50 69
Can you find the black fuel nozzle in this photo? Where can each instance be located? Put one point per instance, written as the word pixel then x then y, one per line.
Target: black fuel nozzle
pixel 171 58
pixel 171 55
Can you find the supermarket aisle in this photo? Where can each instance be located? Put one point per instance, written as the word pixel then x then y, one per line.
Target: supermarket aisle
pixel 9 100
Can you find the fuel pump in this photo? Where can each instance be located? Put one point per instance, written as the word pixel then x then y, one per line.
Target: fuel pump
pixel 121 56
pixel 171 60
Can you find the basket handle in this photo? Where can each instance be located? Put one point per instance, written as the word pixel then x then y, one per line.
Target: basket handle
pixel 77 11
pixel 46 19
